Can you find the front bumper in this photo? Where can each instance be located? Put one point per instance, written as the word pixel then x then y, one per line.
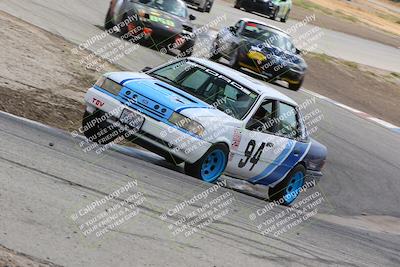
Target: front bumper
pixel 154 135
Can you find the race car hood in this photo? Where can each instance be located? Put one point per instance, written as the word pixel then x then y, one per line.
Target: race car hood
pixel 157 90
pixel 283 55
pixel 171 97
pixel 165 20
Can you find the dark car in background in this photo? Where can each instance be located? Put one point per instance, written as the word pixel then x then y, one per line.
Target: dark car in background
pixel 202 5
pixel 162 24
pixel 262 48
pixel 275 9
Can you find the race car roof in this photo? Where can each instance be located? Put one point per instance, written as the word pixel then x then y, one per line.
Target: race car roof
pixel 256 85
pixel 264 24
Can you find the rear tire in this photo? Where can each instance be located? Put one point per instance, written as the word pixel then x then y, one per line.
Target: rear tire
pixel 211 165
pixel 289 188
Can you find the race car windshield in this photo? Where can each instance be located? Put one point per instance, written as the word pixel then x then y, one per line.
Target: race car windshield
pixel 267 35
pixel 174 7
pixel 209 86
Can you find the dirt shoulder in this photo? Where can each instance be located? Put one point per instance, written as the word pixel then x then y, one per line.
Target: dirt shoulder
pixel 374 91
pixel 361 18
pixel 40 78
pixel 11 258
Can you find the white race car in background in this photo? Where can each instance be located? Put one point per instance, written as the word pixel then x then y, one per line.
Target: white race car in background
pixel 215 119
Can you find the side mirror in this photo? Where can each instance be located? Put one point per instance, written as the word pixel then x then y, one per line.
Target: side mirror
pixel 192 17
pixel 232 29
pixel 146 69
pixel 298 51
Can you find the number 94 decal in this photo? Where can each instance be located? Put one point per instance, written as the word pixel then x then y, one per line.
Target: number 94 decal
pixel 249 157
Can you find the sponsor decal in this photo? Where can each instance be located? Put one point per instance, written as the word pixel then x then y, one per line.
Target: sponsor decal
pixel 97 102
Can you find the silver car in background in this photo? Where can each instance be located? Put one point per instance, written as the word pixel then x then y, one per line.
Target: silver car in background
pixel 202 5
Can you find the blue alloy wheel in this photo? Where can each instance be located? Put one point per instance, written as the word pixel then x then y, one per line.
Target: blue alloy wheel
pixel 287 191
pixel 213 166
pixel 293 188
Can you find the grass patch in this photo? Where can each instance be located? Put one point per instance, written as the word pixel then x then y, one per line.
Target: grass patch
pixel 350 64
pixel 395 74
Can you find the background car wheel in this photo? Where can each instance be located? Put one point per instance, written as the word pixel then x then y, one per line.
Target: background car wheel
pixel 92 128
pixel 210 4
pixel 275 15
pixel 289 188
pixel 234 60
pixel 204 7
pixel 284 19
pixel 211 166
pixel 215 55
pixel 296 86
pixel 237 4
pixel 187 49
pixel 108 24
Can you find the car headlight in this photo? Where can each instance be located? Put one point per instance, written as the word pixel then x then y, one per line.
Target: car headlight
pixel 109 85
pixel 186 123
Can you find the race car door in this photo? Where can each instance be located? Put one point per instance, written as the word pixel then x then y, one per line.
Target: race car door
pixel 267 148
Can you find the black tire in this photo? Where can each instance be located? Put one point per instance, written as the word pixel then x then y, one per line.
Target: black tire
pixel 234 60
pixel 296 86
pixel 284 19
pixel 108 24
pixel 194 169
pixel 210 5
pixel 215 55
pixel 237 4
pixel 173 160
pixel 187 49
pixel 275 15
pixel 279 192
pixel 203 8
pixel 92 128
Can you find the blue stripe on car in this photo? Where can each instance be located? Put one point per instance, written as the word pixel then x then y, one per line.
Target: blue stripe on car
pixel 296 155
pixel 272 166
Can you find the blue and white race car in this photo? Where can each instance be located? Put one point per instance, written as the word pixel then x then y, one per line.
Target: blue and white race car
pixel 213 118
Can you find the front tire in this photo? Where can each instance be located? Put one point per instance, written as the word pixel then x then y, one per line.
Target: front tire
pixel 275 15
pixel 289 188
pixel 284 19
pixel 211 165
pixel 296 86
pixel 94 128
pixel 234 60
pixel 215 55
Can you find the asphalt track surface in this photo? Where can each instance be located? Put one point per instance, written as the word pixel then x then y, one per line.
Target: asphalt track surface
pixel 45 177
